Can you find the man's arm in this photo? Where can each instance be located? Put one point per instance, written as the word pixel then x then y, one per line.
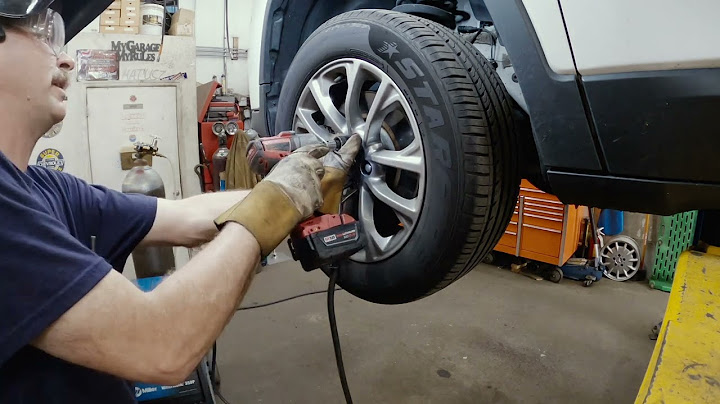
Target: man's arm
pixel 189 222
pixel 158 337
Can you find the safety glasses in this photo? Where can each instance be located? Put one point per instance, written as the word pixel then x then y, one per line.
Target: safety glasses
pixel 22 8
pixel 48 26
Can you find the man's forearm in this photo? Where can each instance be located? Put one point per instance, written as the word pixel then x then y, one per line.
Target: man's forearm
pixel 157 337
pixel 212 205
pixel 205 294
pixel 189 222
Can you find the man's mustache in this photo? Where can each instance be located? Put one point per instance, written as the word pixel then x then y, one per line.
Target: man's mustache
pixel 61 78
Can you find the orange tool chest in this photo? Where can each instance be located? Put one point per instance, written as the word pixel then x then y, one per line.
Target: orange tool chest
pixel 542 228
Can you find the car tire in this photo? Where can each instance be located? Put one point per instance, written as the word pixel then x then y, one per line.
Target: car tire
pixel 464 119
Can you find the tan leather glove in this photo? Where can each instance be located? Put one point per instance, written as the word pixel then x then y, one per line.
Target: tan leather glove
pixel 287 195
pixel 337 165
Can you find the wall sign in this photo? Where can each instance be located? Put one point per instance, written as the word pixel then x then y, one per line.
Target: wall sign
pixel 52 159
pixel 131 51
pixel 94 64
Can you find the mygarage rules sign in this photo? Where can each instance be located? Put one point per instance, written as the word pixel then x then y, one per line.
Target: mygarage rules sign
pixel 131 51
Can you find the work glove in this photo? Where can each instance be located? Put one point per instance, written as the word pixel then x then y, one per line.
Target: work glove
pixel 287 195
pixel 337 164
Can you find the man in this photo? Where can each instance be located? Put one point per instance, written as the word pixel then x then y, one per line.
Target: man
pixel 72 329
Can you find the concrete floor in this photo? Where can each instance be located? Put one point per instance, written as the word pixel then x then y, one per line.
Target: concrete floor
pixel 492 337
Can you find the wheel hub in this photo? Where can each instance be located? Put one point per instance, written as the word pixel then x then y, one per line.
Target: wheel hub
pixel 353 96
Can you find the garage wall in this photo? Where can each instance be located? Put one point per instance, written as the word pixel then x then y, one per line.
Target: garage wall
pixel 246 22
pixel 178 56
pixel 209 20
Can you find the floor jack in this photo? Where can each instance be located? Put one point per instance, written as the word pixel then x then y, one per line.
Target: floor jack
pixel 584 270
pixel 581 270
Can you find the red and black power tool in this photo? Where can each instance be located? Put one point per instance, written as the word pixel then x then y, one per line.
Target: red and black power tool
pixel 264 152
pixel 326 238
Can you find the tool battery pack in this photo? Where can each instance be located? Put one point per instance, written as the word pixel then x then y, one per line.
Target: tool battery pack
pixel 325 240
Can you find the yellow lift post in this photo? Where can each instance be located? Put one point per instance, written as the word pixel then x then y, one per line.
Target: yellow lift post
pixel 685 366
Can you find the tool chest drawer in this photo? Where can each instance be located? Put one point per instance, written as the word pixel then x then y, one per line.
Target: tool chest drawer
pixel 541 240
pixel 552 224
pixel 542 228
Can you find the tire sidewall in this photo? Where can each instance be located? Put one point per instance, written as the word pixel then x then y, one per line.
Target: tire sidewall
pixel 430 251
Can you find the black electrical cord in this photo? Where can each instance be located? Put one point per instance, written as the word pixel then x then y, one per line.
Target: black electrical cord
pixel 213 365
pixel 335 337
pixel 333 331
pixel 258 306
pixel 220 396
pixel 214 372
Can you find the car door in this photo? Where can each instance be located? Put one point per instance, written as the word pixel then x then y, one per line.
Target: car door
pixel 651 74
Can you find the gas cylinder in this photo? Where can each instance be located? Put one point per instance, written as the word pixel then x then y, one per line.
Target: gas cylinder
pixel 143 179
pixel 219 163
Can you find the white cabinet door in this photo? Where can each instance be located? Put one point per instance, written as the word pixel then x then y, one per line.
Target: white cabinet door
pixel 118 117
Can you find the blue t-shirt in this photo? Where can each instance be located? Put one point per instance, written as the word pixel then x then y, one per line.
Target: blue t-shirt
pixel 47 265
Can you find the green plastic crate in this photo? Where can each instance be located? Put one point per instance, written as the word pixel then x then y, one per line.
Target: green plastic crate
pixel 675 235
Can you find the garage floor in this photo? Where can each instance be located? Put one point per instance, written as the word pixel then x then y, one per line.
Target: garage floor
pixel 493 337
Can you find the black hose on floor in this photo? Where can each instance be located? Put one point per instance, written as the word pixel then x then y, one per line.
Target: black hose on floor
pixel 335 337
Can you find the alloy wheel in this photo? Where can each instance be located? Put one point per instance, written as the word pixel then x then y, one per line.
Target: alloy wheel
pixel 621 258
pixel 352 96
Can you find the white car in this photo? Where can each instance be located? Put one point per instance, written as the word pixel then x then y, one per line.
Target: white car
pixel 602 103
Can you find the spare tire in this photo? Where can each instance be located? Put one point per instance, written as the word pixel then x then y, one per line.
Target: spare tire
pixel 438 179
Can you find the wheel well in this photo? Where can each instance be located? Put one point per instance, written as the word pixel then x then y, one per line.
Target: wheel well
pixel 286 31
pixel 288 23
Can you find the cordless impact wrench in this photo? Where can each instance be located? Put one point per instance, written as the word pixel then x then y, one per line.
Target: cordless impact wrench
pixel 326 238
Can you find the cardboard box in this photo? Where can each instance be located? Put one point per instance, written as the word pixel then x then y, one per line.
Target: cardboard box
pixel 114 13
pixel 109 21
pixel 117 29
pixel 182 23
pixel 130 21
pixel 116 5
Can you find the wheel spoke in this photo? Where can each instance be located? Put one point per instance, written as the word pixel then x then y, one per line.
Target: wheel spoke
pixel 376 244
pixel 384 101
pixel 409 160
pixel 321 93
pixel 404 207
pixel 355 79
